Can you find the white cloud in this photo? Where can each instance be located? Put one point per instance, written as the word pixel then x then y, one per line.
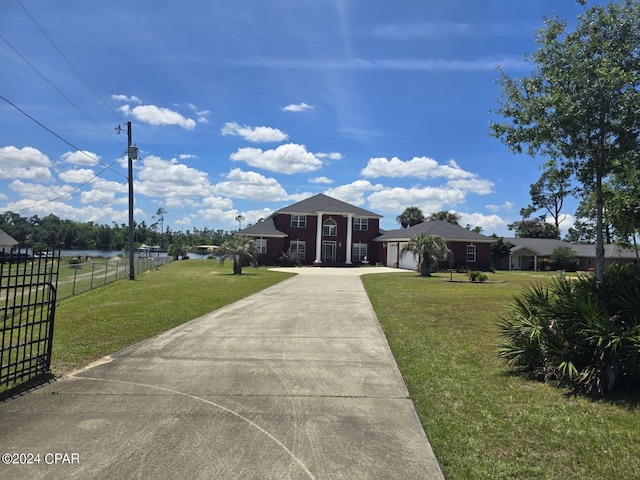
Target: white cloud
pixel 353 192
pixel 124 98
pixel 330 156
pixel 321 180
pixel 251 186
pixel 473 185
pixel 506 206
pixel 28 163
pixel 254 134
pixel 77 175
pixel 154 115
pixel 489 223
pixel 428 199
pixel 297 107
pixel 168 178
pixel 289 158
pixel 81 157
pixel 419 167
pixel 37 192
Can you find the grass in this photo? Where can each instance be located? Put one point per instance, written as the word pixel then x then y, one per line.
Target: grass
pixel 105 320
pixel 482 421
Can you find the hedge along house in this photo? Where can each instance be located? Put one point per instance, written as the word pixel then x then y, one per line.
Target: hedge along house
pixel 470 249
pixel 320 230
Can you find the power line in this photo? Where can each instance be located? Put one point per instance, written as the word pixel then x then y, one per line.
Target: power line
pixel 95 159
pixel 57 89
pixel 69 62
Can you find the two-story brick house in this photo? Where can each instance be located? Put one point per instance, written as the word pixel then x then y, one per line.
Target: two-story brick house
pixel 319 230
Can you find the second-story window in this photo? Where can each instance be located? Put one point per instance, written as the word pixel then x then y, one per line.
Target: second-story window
pixel 299 221
pixel 330 228
pixel 361 224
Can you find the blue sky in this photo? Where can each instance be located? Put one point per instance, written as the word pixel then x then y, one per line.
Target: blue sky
pixel 241 107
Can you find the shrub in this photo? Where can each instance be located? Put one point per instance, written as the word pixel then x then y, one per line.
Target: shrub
pixel 578 332
pixel 563 258
pixel 476 276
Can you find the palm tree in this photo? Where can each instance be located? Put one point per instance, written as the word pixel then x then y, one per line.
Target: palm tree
pixel 240 249
pixel 445 216
pixel 410 217
pixel 427 248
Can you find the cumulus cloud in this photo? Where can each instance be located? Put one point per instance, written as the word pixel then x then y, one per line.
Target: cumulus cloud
pixel 330 156
pixel 77 175
pixel 488 222
pixel 81 157
pixel 28 163
pixel 38 192
pixel 125 98
pixel 297 107
pixel 353 192
pixel 154 115
pixel 320 180
pixel 473 185
pixel 506 206
pixel 169 178
pixel 419 167
pixel 254 134
pixel 428 199
pixel 251 186
pixel 289 158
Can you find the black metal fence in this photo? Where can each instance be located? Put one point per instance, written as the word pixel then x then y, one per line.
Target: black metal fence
pixel 28 289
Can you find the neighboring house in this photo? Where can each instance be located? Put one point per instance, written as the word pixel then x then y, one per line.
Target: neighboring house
pixel 7 242
pixel 320 230
pixel 527 253
pixel 470 249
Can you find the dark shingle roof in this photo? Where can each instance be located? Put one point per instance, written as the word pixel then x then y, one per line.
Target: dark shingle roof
pixel 325 204
pixel 544 247
pixel 436 228
pixel 266 228
pixel 6 240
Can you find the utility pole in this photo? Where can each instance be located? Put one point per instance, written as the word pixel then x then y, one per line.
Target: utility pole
pixel 132 154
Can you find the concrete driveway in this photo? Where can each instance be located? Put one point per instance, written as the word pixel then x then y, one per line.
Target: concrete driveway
pixel 294 382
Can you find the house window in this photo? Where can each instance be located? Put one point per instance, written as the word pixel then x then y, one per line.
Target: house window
pixel 299 221
pixel 330 228
pixel 261 243
pixel 471 253
pixel 298 247
pixel 361 224
pixel 359 252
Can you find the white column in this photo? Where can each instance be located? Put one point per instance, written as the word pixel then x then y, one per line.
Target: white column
pixel 349 236
pixel 535 263
pixel 319 239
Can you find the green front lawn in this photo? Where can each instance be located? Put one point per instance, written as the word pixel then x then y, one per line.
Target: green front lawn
pixel 482 421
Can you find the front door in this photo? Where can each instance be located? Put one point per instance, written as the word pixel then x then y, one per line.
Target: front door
pixel 328 251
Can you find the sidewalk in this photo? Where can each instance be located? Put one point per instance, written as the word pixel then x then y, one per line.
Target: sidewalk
pixel 294 382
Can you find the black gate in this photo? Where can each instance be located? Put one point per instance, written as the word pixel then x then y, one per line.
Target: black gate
pixel 27 309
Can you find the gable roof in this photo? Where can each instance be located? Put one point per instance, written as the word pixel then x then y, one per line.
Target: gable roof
pixel 6 240
pixel 544 246
pixel 436 228
pixel 326 204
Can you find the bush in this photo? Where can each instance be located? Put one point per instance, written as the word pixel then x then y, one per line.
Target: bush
pixel 476 276
pixel 574 331
pixel 563 258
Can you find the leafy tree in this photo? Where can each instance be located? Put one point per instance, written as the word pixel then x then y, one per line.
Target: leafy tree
pixel 410 217
pixel 549 192
pixel 499 248
pixel 240 249
pixel 427 249
pixel 534 229
pixel 445 216
pixel 579 106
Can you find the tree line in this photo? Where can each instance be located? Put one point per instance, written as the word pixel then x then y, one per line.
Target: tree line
pixel 51 233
